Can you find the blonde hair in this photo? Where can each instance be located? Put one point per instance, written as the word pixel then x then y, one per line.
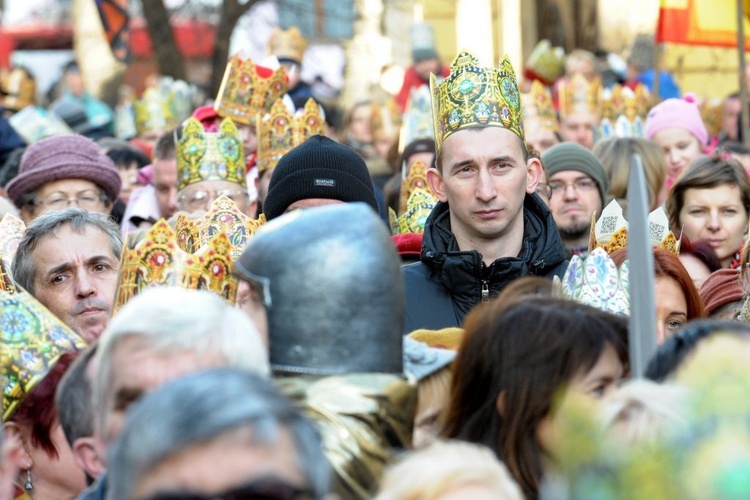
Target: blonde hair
pixel 433 393
pixel 446 466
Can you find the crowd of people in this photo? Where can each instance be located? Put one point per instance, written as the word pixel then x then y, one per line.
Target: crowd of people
pixel 427 299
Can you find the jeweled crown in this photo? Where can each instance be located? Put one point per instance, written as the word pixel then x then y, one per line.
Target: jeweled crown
pixel 475 96
pixel 279 131
pixel 417 118
pixel 415 204
pixel 287 44
pixel 546 63
pixel 17 89
pixel 538 109
pixel 624 111
pixel 248 90
pixel 153 112
pixel 610 232
pixel 578 95
pixel 208 156
pixel 158 260
pixel 385 121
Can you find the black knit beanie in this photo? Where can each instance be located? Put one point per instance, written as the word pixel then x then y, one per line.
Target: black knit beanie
pixel 572 156
pixel 318 168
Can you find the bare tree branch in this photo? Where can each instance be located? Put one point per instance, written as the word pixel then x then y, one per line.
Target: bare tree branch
pixel 162 39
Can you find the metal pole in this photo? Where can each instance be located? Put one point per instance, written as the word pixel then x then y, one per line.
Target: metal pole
pixel 743 83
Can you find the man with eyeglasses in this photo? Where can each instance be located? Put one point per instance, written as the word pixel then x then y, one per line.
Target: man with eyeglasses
pixel 61 172
pixel 579 188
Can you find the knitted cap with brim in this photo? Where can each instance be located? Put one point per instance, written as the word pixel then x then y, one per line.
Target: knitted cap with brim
pixel 573 156
pixel 64 157
pixel 318 168
pixel 721 288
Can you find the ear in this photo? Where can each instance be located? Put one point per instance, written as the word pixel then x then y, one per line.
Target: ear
pixel 533 175
pixel 8 466
pixel 435 181
pixel 500 403
pixel 19 455
pixel 87 457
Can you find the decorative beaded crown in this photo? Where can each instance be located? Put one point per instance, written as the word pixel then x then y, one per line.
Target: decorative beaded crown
pixel 222 217
pixel 32 339
pixel 538 109
pixel 11 231
pixel 417 118
pixel 578 95
pixel 416 202
pixel 207 156
pixel 610 232
pixel 597 282
pixel 158 260
pixel 279 131
pixel 287 44
pixel 624 111
pixel 546 63
pixel 475 96
pixel 154 112
pixel 248 90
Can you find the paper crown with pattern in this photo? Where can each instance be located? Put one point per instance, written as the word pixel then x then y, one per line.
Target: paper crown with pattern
pixel 712 112
pixel 578 95
pixel 248 90
pixel 11 231
pixel 545 64
pixel 222 217
pixel 538 109
pixel 624 111
pixel 416 122
pixel 385 121
pixel 596 281
pixel 208 156
pixel 610 232
pixel 279 131
pixel 17 89
pixel 158 260
pixel 475 96
pixel 287 44
pixel 32 339
pixel 415 202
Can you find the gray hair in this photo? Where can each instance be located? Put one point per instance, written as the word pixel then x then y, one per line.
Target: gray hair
pixel 201 407
pixel 176 320
pixel 48 224
pixel 73 398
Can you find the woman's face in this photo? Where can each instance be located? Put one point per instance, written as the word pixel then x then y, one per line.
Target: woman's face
pixel 129 178
pixel 680 148
pixel 671 307
pixel 602 378
pixel 60 475
pixel 716 215
pixel 360 127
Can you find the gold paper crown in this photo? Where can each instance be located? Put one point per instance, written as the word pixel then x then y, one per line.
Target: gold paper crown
pixel 153 112
pixel 287 44
pixel 712 112
pixel 279 131
pixel 546 63
pixel 158 260
pixel 538 109
pixel 385 121
pixel 415 203
pixel 17 89
pixel 11 231
pixel 32 340
pixel 578 95
pixel 474 96
pixel 610 232
pixel 624 111
pixel 248 90
pixel 222 217
pixel 206 156
pixel 417 118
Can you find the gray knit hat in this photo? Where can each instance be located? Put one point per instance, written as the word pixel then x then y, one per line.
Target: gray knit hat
pixel 573 156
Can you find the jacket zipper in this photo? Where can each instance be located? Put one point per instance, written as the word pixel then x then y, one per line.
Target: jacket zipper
pixel 485 291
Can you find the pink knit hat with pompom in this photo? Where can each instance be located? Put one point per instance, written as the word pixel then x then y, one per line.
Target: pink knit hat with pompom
pixel 677 113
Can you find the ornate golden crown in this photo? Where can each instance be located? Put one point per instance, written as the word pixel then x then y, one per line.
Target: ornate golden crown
pixel 538 109
pixel 624 111
pixel 206 156
pixel 385 121
pixel 222 217
pixel 415 203
pixel 153 112
pixel 17 89
pixel 546 63
pixel 32 340
pixel 417 118
pixel 248 90
pixel 287 44
pixel 474 96
pixel 11 231
pixel 610 232
pixel 578 95
pixel 158 260
pixel 279 131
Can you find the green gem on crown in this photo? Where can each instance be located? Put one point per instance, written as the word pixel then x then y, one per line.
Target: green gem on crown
pixel 193 149
pixel 466 86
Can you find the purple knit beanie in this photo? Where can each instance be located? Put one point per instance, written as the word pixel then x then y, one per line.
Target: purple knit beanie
pixel 677 113
pixel 64 157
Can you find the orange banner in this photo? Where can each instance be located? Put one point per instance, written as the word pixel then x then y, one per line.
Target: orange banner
pixel 701 22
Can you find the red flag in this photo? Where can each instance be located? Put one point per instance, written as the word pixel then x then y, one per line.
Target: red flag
pixel 701 22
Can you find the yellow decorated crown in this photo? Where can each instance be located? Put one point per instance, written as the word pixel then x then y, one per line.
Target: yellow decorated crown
pixel 712 112
pixel 248 90
pixel 32 339
pixel 287 44
pixel 416 202
pixel 153 112
pixel 385 121
pixel 610 232
pixel 546 63
pixel 158 260
pixel 279 131
pixel 538 109
pixel 17 89
pixel 578 95
pixel 624 111
pixel 417 118
pixel 475 96
pixel 222 217
pixel 11 231
pixel 207 156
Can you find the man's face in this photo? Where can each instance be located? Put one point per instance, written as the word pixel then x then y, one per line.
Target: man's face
pixel 249 139
pixel 732 110
pixel 579 128
pixel 76 277
pixel 541 140
pixel 201 195
pixel 484 179
pixel 231 462
pixel 424 68
pixel 165 185
pixel 575 197
pixel 135 369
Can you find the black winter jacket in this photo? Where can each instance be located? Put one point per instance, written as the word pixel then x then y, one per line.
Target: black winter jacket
pixel 447 283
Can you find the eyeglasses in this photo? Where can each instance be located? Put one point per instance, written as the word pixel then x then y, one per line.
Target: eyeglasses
pixel 198 199
pixel 544 190
pixel 259 490
pixel 89 199
pixel 580 186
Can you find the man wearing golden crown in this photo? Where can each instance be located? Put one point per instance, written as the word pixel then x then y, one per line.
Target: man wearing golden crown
pixel 289 47
pixel 489 226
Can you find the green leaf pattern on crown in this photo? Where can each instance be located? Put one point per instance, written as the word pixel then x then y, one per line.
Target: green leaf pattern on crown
pixel 205 156
pixel 475 96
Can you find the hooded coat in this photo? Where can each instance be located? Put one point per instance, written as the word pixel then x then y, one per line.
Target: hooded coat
pixel 447 282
